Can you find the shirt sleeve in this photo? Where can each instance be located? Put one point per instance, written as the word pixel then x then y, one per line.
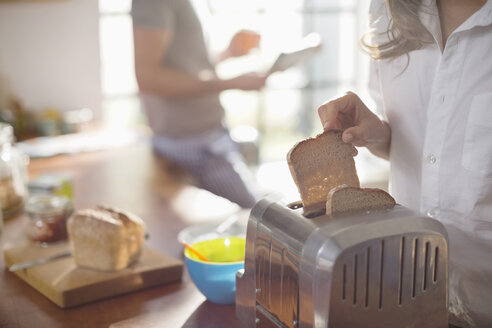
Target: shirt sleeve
pixel 158 14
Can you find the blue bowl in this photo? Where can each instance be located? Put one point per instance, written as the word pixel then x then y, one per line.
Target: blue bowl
pixel 216 279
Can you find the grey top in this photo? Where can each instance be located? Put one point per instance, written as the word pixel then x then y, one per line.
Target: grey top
pixel 179 118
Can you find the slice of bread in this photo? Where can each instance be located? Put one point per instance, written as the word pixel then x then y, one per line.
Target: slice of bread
pixel 320 164
pixel 344 199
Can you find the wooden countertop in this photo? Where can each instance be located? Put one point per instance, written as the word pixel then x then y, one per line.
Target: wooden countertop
pixel 134 179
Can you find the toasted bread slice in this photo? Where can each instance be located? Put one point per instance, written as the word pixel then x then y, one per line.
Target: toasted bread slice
pixel 320 164
pixel 345 199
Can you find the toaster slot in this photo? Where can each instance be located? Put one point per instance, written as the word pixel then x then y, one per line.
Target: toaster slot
pixel 277 282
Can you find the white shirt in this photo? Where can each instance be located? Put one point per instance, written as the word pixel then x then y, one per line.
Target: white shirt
pixel 440 112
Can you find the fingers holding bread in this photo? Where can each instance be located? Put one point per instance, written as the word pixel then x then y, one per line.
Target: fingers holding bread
pixel 346 113
pixel 339 113
pixel 359 124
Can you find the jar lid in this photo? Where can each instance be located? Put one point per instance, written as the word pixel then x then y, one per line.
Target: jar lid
pixel 48 204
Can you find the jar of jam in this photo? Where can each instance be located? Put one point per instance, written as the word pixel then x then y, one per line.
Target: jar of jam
pixel 48 216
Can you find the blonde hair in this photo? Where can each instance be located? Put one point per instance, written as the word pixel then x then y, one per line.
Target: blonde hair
pixel 405 31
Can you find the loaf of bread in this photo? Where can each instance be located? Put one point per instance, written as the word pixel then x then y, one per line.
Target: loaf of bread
pixel 105 238
pixel 346 199
pixel 320 164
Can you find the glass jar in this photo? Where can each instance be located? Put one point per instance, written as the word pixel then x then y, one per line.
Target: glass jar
pixel 48 216
pixel 13 173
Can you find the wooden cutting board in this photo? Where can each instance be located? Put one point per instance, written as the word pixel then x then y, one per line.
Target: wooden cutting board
pixel 68 285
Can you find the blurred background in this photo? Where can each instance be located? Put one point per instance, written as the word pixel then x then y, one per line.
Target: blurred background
pixel 67 64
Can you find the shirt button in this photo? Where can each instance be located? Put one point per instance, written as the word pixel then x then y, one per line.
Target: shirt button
pixel 431 213
pixel 431 159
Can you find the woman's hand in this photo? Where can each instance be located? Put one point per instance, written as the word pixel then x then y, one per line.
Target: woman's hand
pixel 360 126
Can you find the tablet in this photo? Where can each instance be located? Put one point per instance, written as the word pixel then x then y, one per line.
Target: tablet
pixel 310 44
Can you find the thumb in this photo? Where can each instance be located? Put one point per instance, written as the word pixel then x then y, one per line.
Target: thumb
pixel 355 136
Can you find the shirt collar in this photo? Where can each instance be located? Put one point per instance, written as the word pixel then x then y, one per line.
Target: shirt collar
pixel 429 16
pixel 482 17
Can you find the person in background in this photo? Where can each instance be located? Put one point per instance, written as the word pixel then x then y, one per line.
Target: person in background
pixel 431 79
pixel 180 93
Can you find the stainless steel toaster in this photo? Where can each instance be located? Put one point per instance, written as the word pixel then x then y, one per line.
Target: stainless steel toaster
pixel 381 269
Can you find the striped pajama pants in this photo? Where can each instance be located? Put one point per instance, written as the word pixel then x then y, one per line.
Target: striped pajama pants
pixel 215 162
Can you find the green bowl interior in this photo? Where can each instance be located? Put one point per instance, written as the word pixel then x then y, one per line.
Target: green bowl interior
pixel 220 250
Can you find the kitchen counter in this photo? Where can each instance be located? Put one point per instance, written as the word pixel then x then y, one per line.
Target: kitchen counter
pixel 132 178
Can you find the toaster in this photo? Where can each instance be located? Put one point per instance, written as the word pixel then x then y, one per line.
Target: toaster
pixel 375 269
